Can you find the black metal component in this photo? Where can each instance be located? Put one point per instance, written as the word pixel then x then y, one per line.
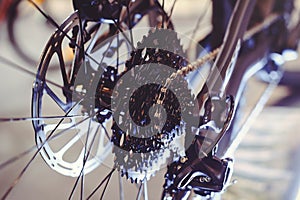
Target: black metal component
pixel 220 19
pixel 96 9
pixel 201 170
pixel 146 96
pixel 204 175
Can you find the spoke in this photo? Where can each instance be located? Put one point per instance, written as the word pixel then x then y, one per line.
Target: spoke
pixel 122 32
pixel 139 194
pixel 105 53
pixel 101 183
pixel 85 158
pixel 17 180
pixel 106 184
pixel 24 153
pixel 145 183
pixel 200 19
pixel 49 18
pixel 118 53
pixel 86 141
pixel 18 67
pixel 82 187
pixel 94 40
pixel 26 71
pixel 52 21
pixel 106 133
pixel 23 69
pixel 121 187
pixel 17 157
pixel 12 119
pixel 143 186
pixel 171 11
pixel 81 36
pixel 130 25
pixel 75 185
pixel 163 16
pixel 101 141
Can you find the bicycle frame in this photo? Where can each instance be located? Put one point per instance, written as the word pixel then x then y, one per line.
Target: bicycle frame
pixel 248 63
pixel 235 64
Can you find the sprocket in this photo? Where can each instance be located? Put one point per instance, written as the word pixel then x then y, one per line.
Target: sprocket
pixel 143 146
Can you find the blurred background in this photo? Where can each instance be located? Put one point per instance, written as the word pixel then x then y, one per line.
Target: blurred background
pixel 267 164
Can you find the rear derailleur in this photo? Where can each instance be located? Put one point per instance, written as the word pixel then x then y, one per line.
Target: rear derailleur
pixel 203 173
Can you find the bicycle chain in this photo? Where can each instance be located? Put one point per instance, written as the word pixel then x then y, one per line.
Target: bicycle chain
pixel 187 69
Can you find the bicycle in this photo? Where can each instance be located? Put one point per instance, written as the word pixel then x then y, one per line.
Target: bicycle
pixel 195 166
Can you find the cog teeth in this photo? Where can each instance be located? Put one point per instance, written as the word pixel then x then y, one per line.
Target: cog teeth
pixel 135 168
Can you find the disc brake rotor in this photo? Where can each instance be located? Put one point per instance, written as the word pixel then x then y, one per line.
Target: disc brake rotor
pixel 73 142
